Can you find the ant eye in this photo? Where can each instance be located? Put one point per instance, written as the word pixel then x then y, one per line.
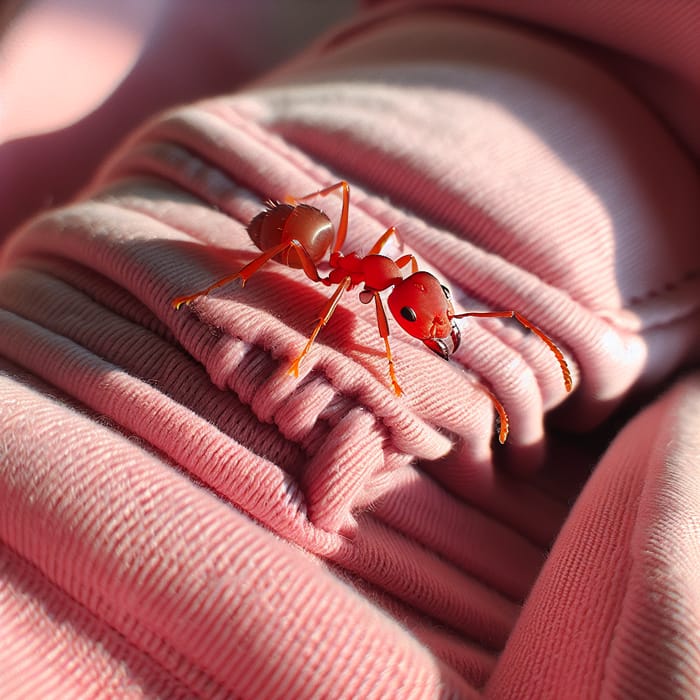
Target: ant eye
pixel 408 313
pixel 446 292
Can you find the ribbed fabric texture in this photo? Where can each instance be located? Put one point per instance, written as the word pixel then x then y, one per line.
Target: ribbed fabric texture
pixel 179 517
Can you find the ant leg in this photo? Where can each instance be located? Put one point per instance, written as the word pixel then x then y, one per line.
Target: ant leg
pixel 342 229
pixel 408 258
pixel 384 333
pixel 307 263
pixel 325 316
pixel 404 259
pixel 381 241
pixel 502 415
pixel 251 268
pixel 530 326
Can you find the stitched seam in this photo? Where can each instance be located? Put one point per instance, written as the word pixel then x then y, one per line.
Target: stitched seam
pixel 654 293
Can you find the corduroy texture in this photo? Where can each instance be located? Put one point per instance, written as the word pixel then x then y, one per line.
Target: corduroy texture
pixel 179 517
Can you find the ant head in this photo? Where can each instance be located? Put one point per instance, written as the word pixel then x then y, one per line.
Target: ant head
pixel 422 307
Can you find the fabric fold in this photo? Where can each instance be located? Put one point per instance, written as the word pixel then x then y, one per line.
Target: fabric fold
pixel 615 608
pixel 227 529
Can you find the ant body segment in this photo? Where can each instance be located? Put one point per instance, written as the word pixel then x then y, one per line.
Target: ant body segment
pixel 299 235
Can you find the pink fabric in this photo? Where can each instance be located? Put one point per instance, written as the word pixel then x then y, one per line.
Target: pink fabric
pixel 179 517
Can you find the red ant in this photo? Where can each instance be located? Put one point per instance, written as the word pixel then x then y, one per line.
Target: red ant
pixel 299 235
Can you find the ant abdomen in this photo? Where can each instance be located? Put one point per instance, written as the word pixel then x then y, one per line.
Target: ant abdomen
pixel 304 223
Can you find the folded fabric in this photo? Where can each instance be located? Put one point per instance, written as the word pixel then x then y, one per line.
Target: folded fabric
pixel 181 517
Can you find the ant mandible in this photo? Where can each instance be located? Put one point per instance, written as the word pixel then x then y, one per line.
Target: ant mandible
pixel 299 235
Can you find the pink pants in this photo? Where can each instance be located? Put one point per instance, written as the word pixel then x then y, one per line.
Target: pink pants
pixel 179 517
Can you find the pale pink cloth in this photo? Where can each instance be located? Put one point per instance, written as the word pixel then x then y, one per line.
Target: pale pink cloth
pixel 179 517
